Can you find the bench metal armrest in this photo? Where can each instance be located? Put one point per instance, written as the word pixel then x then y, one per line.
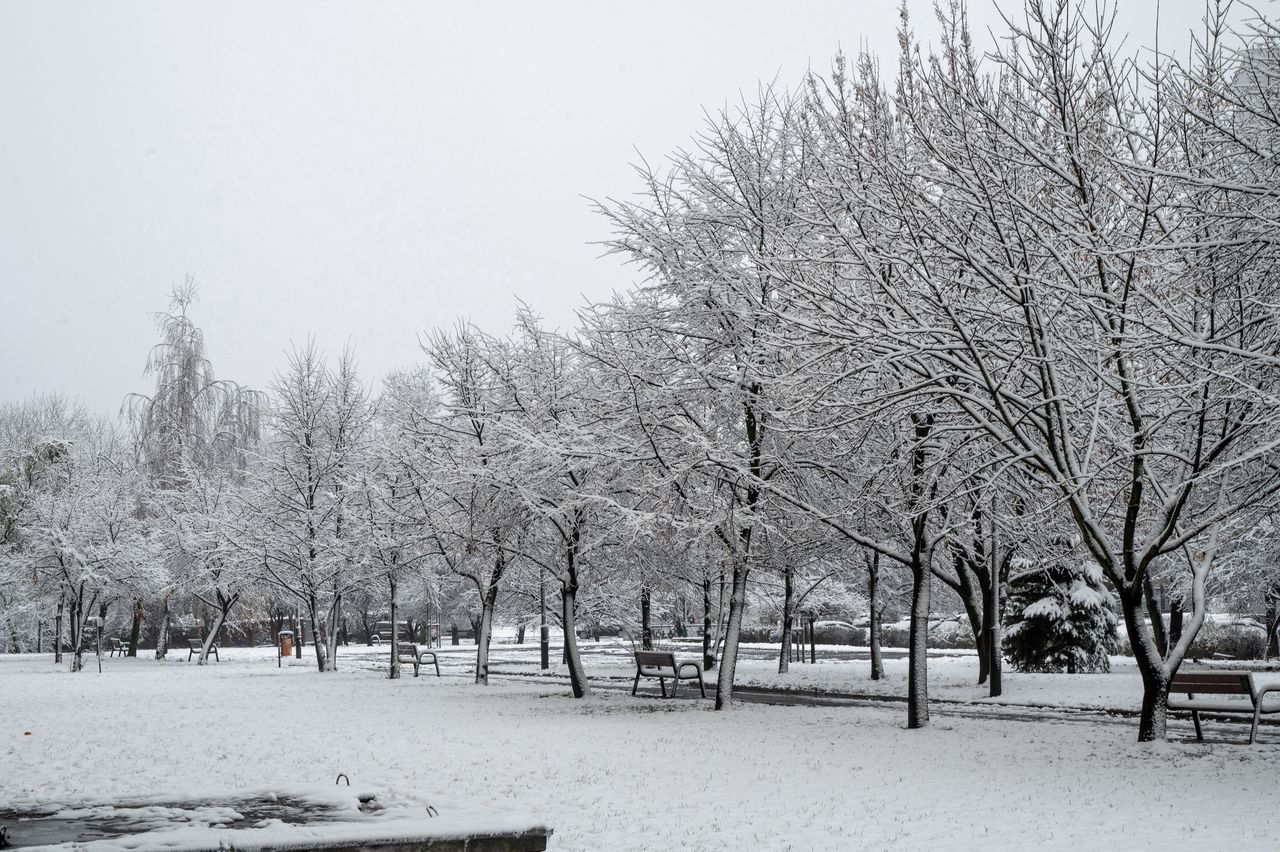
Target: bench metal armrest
pixel 691 665
pixel 1265 690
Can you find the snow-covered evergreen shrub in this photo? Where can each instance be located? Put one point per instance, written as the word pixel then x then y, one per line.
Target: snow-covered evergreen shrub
pixel 1061 619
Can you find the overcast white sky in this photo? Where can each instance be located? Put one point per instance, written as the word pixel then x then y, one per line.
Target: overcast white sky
pixel 361 173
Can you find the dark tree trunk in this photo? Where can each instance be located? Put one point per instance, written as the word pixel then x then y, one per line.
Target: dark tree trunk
pixel 918 660
pixel 1151 665
pixel 1175 620
pixel 135 630
pixel 488 603
pixel 162 631
pixel 646 622
pixel 76 619
pixel 1273 630
pixel 394 672
pixel 1156 616
pixel 991 604
pixel 57 628
pixel 708 658
pixel 544 632
pixel 873 624
pixel 788 593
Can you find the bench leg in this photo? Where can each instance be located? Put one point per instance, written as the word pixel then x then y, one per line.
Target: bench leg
pixel 635 684
pixel 214 651
pixel 662 682
pixel 435 662
pixel 415 668
pixel 1195 718
pixel 1253 732
pixel 190 651
pixel 701 686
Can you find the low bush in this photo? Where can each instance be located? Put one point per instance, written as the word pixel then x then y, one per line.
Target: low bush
pixel 759 633
pixel 1236 641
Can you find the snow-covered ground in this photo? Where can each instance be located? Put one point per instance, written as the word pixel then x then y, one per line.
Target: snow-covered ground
pixel 616 772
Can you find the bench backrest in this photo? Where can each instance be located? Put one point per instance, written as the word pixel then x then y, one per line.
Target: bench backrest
pixel 115 643
pixel 655 659
pixel 408 649
pixel 1211 683
pixel 195 644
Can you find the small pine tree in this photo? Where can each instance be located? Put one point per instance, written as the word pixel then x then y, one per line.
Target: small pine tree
pixel 1062 619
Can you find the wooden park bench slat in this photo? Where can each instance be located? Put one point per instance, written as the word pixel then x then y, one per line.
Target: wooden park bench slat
pixel 1197 684
pixel 195 645
pixel 409 653
pixel 663 665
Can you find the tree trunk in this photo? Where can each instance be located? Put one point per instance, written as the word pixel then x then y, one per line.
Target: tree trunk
pixel 489 602
pixel 1175 621
pixel 224 609
pixel 1155 670
pixel 334 630
pixel 482 640
pixel 76 619
pixel 57 628
pixel 1153 612
pixel 162 630
pixel 788 592
pixel 318 639
pixel 135 631
pixel 544 632
pixel 1273 629
pixel 646 622
pixel 394 672
pixel 991 602
pixel 733 628
pixel 577 673
pixel 708 659
pixel 873 624
pixel 918 663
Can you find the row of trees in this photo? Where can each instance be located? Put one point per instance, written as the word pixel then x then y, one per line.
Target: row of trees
pixel 999 312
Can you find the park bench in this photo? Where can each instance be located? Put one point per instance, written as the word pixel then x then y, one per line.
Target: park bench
pixel 195 645
pixel 1213 691
pixel 663 665
pixel 118 647
pixel 409 653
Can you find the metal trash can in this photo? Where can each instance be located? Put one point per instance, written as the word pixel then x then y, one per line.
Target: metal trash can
pixel 286 643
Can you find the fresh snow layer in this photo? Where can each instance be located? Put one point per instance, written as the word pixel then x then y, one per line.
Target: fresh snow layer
pixel 336 815
pixel 616 772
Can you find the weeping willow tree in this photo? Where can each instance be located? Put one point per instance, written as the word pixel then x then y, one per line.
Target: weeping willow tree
pixel 192 421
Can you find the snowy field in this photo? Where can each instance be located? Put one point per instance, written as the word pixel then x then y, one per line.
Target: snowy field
pixel 617 772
